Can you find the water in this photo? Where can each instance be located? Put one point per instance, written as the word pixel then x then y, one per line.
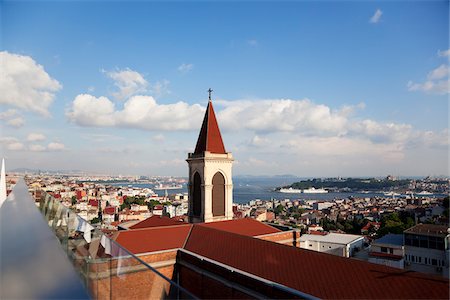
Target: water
pixel 247 189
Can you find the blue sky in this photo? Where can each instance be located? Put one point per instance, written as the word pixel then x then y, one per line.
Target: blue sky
pixel 307 88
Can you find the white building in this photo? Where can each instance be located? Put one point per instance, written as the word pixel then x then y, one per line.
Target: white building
pixel 333 243
pixel 427 249
pixel 388 251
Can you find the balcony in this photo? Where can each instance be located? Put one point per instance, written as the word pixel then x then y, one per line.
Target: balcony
pixel 50 252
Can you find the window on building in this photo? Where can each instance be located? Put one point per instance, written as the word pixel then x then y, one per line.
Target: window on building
pixel 391 250
pixel 426 260
pixel 423 241
pixel 413 258
pixel 329 247
pixel 384 249
pixel 310 245
pixel 434 261
pixel 408 240
pixel 420 259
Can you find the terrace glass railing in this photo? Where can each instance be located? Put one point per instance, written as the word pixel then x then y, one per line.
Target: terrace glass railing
pixel 108 270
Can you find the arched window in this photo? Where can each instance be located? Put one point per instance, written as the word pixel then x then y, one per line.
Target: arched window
pixel 218 195
pixel 197 195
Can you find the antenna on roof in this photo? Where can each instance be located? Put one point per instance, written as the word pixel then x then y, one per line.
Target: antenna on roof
pixel 209 93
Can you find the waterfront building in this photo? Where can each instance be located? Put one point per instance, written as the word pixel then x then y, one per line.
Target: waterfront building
pixel 388 250
pixel 427 249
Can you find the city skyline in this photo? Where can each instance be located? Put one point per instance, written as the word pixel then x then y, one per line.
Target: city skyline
pixel 309 89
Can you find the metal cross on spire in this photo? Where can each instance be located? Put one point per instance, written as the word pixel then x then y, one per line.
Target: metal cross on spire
pixel 209 93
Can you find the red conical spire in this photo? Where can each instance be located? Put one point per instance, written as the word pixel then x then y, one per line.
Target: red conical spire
pixel 210 138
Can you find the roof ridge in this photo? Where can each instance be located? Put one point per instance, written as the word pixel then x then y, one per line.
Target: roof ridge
pixel 187 237
pixel 155 227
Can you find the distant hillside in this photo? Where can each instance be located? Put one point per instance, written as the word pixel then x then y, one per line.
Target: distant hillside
pixel 367 184
pixel 26 170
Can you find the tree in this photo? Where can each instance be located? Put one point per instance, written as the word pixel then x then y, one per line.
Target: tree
pixel 95 220
pixel 279 209
pixel 74 200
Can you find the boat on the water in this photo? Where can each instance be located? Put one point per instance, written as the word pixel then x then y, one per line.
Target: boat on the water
pixel 290 191
pixel 161 186
pixel 392 194
pixel 313 190
pixel 424 193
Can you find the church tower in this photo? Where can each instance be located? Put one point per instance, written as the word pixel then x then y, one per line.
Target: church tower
pixel 210 181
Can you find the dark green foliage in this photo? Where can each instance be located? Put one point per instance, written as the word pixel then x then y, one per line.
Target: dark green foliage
pixel 132 200
pixel 279 209
pixel 352 183
pixel 395 223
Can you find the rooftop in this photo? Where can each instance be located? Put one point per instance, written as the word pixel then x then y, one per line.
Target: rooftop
pixel 246 226
pixel 156 221
pixel 308 271
pixel 153 239
pixel 338 238
pixel 429 229
pixel 390 239
pixel 210 138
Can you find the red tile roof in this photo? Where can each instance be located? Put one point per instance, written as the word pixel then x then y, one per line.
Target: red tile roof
pixel 153 239
pixel 210 138
pixel 156 221
pixel 246 226
pixel 318 274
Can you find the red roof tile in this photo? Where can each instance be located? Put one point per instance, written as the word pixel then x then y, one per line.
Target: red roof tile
pixel 210 138
pixel 153 239
pixel 156 221
pixel 246 226
pixel 318 274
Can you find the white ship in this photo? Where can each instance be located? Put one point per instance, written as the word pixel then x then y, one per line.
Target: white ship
pixel 392 194
pixel 290 191
pixel 424 193
pixel 161 186
pixel 313 190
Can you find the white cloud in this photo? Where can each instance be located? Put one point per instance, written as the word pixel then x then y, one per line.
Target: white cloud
pixel 128 82
pixel 37 148
pixel 444 53
pixel 258 141
pixel 158 138
pixel 160 88
pixel 376 16
pixel 283 115
pixel 437 82
pixel 185 68
pixel 16 122
pixel 11 143
pixel 8 114
pixel 56 147
pixel 25 84
pixel 34 137
pixel 138 112
pixel 16 146
pixel 12 118
pixel 252 42
pixel 439 73
pixel 88 110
